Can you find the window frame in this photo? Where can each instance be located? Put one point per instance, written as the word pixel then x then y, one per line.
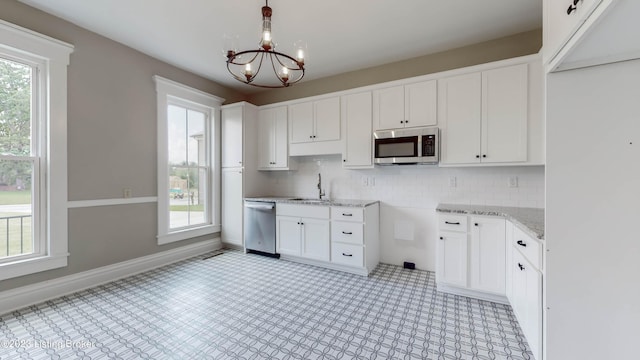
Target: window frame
pixel 50 58
pixel 173 93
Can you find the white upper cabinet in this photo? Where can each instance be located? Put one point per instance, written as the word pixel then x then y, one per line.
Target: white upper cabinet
pixel 232 137
pixel 484 116
pixel 315 121
pixel 357 129
pixel 272 139
pixel 561 21
pixel 411 105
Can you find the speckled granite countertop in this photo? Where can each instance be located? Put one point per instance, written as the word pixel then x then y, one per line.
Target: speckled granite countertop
pixel 529 220
pixel 305 201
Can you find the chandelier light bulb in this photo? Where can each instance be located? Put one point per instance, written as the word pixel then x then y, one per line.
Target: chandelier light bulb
pixel 284 74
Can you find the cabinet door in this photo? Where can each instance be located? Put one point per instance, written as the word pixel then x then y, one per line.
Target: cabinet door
pixel 266 134
pixel 527 300
pixel 327 119
pixel 301 121
pixel 358 144
pixel 509 261
pixel 288 235
pixel 231 137
pixel 504 114
pixel 280 145
pixel 487 255
pixel 451 264
pixel 232 206
pixel 459 115
pixel 421 100
pixel 315 239
pixel 388 108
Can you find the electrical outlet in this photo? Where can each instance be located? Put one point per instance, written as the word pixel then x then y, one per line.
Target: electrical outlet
pixel 365 181
pixel 126 193
pixel 372 181
pixel 453 181
pixel 513 181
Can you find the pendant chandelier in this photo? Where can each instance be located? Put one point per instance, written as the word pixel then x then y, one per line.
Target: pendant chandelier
pixel 245 66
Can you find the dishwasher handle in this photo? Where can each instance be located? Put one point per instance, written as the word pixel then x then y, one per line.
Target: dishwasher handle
pixel 259 206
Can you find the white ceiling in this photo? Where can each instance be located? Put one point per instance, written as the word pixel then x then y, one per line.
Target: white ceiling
pixel 342 35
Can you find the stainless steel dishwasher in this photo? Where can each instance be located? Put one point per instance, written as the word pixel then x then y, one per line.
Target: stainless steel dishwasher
pixel 260 226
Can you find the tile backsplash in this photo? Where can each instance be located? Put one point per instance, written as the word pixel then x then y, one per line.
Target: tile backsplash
pixel 411 185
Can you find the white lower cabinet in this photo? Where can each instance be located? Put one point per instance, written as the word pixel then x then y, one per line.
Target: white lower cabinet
pixel 490 258
pixel 303 230
pixel 339 237
pixel 487 255
pixel 526 287
pixel 471 256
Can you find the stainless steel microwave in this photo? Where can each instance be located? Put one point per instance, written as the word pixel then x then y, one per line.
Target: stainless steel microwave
pixel 407 146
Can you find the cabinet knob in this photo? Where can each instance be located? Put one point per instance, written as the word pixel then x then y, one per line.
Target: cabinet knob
pixel 239 162
pixel 477 156
pixel 521 267
pixel 475 224
pixel 310 137
pixel 301 223
pixel 521 243
pixel 344 160
pixel 484 156
pixel 401 122
pixel 441 238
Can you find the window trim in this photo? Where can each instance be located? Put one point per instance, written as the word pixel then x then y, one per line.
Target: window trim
pixel 171 92
pixel 52 113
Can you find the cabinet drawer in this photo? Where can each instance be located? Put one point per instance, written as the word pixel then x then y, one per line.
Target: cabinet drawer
pixel 456 223
pixel 529 247
pixel 347 254
pixel 348 232
pixel 308 211
pixel 347 214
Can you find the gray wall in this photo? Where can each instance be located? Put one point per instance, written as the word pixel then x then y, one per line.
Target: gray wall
pixel 521 44
pixel 111 142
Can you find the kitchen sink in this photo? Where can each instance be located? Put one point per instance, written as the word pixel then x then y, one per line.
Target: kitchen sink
pixel 315 201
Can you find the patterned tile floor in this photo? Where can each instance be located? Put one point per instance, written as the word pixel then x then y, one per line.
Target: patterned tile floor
pixel 243 306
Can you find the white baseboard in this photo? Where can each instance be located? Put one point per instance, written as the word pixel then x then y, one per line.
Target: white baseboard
pixel 501 299
pixel 36 293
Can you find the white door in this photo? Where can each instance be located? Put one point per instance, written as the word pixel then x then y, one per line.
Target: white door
pixel 288 235
pixel 358 143
pixel 488 255
pixel 327 119
pixel 231 137
pixel 451 264
pixel 315 239
pixel 421 100
pixel 459 117
pixel 280 145
pixel 388 108
pixel 265 138
pixel 301 122
pixel 232 206
pixel 504 114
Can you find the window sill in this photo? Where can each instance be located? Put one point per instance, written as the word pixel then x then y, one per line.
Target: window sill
pixel 31 266
pixel 187 234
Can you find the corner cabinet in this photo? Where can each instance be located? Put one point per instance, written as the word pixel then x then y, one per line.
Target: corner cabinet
pixel 483 116
pixel 273 152
pixel 410 105
pixel 357 150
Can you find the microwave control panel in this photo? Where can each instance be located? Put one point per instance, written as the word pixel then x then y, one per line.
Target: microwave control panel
pixel 429 145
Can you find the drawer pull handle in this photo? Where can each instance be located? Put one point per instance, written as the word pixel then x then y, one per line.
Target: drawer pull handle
pixel 343 214
pixel 452 223
pixel 349 255
pixel 521 243
pixel 347 232
pixel 521 267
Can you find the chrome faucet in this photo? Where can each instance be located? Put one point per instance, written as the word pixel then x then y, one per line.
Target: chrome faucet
pixel 320 191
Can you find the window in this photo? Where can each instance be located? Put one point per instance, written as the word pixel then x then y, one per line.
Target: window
pixel 188 166
pixel 33 152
